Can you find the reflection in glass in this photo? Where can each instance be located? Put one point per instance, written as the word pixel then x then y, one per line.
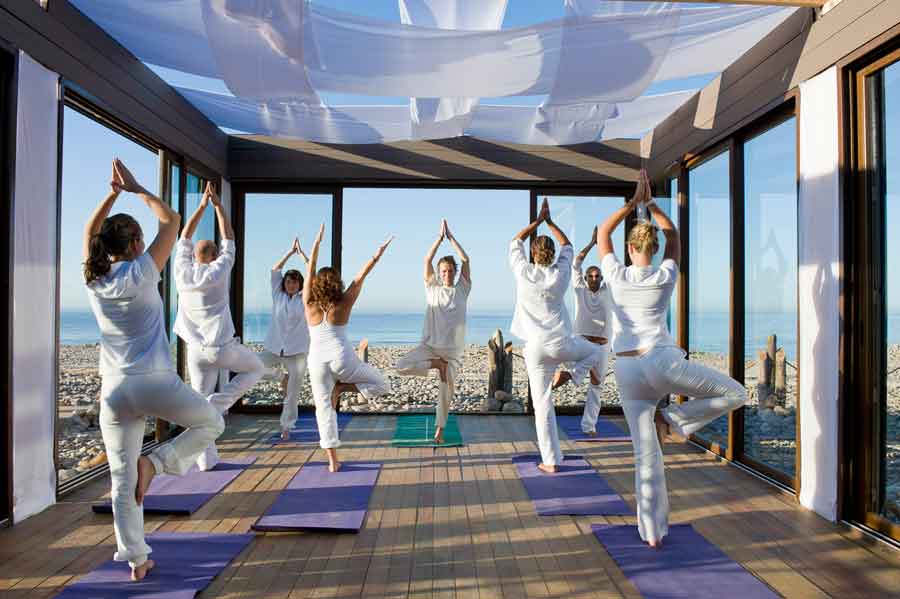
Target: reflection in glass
pixel 770 318
pixel 173 199
pixel 710 271
pixel 672 212
pixel 87 153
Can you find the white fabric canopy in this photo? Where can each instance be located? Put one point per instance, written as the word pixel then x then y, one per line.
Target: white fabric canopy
pixel 281 55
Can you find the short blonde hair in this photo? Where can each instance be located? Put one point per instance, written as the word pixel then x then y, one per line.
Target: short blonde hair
pixel 543 250
pixel 644 238
pixel 449 260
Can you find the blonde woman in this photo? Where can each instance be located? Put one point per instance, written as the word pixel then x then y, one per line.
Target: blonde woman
pixel 287 340
pixel 334 367
pixel 444 332
pixel 138 378
pixel 649 365
pixel 541 319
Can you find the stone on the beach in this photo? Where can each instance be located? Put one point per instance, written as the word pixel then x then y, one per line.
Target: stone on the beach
pixel 780 411
pixel 503 396
pixel 513 405
pixel 65 474
pixel 490 404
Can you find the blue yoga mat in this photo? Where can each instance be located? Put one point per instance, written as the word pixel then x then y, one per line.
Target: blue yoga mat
pixel 184 495
pixel 306 431
pixel 607 430
pixel 574 490
pixel 185 565
pixel 687 565
pixel 323 501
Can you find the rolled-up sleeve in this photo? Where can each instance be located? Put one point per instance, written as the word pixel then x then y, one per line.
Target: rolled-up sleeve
pixel 275 282
pixel 517 259
pixel 577 274
pixel 184 263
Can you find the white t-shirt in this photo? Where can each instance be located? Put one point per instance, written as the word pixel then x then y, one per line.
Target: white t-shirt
pixel 288 334
pixel 639 302
pixel 129 312
pixel 591 307
pixel 445 314
pixel 541 315
pixel 204 311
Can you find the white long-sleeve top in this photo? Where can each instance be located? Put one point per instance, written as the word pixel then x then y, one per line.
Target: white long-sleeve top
pixel 591 307
pixel 540 315
pixel 204 312
pixel 639 302
pixel 129 312
pixel 288 334
pixel 445 314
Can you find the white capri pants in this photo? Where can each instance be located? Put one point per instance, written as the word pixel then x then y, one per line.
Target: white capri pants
pixel 643 382
pixel 125 403
pixel 593 398
pixel 418 362
pixel 296 369
pixel 323 376
pixel 542 362
pixel 204 363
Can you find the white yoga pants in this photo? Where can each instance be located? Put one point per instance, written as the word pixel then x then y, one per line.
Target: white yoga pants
pixel 125 403
pixel 594 393
pixel 205 362
pixel 418 363
pixel 323 376
pixel 542 362
pixel 645 380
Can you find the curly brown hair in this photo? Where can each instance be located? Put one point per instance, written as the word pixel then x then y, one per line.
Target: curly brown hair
pixel 326 288
pixel 114 239
pixel 644 238
pixel 543 250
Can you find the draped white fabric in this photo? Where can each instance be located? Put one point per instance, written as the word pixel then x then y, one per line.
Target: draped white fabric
pixel 281 55
pixel 819 288
pixel 34 278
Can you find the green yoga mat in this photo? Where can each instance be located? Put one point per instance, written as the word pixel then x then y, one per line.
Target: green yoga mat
pixel 417 430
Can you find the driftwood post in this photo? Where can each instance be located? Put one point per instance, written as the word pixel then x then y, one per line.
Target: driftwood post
pixel 780 376
pixel 765 389
pixel 507 367
pixel 495 363
pixel 362 352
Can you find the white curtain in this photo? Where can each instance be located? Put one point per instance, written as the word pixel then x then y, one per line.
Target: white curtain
pixel 34 282
pixel 819 289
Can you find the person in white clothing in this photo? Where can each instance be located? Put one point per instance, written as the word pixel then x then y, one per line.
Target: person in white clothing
pixel 287 341
pixel 138 378
pixel 591 320
pixel 334 367
pixel 202 279
pixel 444 331
pixel 541 319
pixel 649 364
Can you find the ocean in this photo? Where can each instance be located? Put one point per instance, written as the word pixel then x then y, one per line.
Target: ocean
pixel 709 330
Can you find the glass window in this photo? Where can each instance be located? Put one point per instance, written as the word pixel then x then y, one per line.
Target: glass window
pixel 770 318
pixel 673 214
pixel 271 222
pixel 710 266
pixel 173 199
pixel 88 150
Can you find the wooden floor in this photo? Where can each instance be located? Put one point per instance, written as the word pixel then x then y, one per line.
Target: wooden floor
pixel 456 522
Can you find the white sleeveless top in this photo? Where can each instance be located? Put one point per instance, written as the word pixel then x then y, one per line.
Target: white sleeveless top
pixel 327 341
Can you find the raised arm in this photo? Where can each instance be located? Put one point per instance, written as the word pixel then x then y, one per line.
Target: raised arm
pixel 531 228
pixel 225 230
pixel 673 240
pixel 583 253
pixel 300 251
pixel 465 271
pixel 191 225
pixel 311 265
pixel 280 264
pixel 604 231
pixel 429 257
pixel 169 220
pixel 100 213
pixel 352 292
pixel 557 232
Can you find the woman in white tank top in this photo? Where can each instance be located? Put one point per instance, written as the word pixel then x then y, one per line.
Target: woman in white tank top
pixel 334 367
pixel 649 364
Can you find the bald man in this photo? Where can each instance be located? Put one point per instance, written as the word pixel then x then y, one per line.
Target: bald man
pixel 202 278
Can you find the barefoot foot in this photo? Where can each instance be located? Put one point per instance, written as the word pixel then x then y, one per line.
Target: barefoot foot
pixel 146 472
pixel 139 572
pixel 334 466
pixel 547 468
pixel 591 433
pixel 561 378
pixel 655 544
pixel 438 434
pixel 286 435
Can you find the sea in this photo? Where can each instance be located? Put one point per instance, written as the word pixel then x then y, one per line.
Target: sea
pixel 709 330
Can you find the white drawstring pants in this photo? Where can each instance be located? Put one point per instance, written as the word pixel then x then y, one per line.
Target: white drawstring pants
pixel 645 380
pixel 542 362
pixel 418 363
pixel 296 370
pixel 125 403
pixel 593 398
pixel 323 376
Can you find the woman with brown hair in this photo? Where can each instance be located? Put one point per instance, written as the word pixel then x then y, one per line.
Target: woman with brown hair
pixel 138 378
pixel 334 367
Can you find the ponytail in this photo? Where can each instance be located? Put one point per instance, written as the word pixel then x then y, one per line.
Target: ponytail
pixel 97 263
pixel 114 239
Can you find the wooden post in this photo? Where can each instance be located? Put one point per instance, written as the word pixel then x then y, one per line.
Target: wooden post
pixel 763 380
pixel 508 367
pixel 362 352
pixel 780 376
pixel 495 363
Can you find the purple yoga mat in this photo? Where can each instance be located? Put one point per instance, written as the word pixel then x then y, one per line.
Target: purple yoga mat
pixel 306 431
pixel 574 490
pixel 607 430
pixel 320 501
pixel 183 495
pixel 185 565
pixel 686 566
